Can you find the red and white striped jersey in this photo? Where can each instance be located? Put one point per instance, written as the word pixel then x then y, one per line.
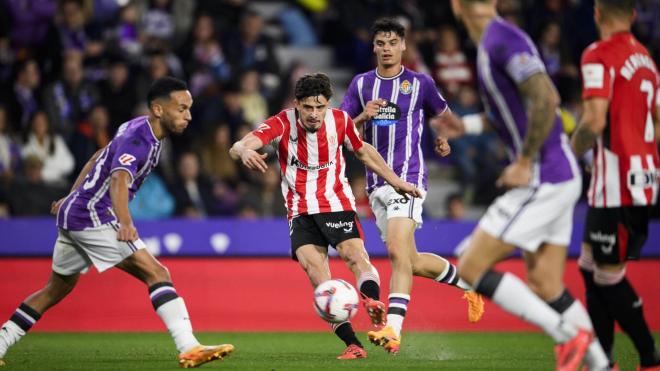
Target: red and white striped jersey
pixel 625 171
pixel 311 164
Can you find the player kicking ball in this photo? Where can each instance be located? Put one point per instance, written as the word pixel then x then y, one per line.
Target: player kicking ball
pixel 320 204
pixel 95 226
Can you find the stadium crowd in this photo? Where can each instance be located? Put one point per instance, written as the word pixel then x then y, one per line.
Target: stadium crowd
pixel 71 71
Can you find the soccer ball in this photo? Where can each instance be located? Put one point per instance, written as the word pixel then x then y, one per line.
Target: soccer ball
pixel 336 301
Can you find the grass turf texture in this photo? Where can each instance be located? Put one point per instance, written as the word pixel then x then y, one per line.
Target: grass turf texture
pixel 294 351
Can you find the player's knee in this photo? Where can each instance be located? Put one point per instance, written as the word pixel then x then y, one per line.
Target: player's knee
pixel 395 250
pixel 160 273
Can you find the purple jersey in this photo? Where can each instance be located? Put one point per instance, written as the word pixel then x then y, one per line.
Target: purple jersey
pixel 505 58
pixel 134 149
pixel 396 131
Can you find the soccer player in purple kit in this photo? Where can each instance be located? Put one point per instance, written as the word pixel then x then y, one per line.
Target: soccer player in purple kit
pixel 543 184
pixel 95 226
pixel 392 104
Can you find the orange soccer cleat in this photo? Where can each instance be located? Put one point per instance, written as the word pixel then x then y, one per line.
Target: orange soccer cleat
pixel 353 351
pixel 570 354
pixel 386 338
pixel 201 354
pixel 376 310
pixel 475 306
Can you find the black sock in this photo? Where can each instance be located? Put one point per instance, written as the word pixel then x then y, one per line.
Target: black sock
pixel 601 318
pixel 487 284
pixel 345 332
pixel 370 289
pixel 563 302
pixel 626 307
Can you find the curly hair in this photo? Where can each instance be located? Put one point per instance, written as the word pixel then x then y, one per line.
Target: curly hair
pixel 388 25
pixel 312 86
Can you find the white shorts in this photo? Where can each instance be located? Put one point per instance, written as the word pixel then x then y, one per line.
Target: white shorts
pixel 528 217
pixel 75 251
pixel 386 203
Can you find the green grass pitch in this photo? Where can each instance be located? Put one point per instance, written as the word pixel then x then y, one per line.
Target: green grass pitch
pixel 294 351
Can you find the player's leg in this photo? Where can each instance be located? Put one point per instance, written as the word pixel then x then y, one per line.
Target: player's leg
pixel 513 295
pixel 68 261
pixel 622 233
pixel 313 259
pixel 545 271
pixel 601 318
pixel 171 308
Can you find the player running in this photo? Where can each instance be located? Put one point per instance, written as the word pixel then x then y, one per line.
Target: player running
pixel 321 207
pixel 621 102
pixel 543 182
pixel 392 103
pixel 95 226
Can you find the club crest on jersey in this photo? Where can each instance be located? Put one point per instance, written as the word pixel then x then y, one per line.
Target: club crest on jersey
pixel 387 115
pixel 332 140
pixel 406 87
pixel 126 159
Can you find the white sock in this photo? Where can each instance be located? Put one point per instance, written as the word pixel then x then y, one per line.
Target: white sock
pixel 10 334
pixel 595 357
pixel 175 316
pixel 396 312
pixel 516 298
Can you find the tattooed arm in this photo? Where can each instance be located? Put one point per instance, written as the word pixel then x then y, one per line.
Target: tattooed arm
pixel 541 100
pixel 592 123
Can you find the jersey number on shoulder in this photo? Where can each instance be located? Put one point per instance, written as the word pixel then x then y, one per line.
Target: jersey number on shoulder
pixel 647 87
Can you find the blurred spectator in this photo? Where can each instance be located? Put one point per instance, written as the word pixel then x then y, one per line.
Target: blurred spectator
pixel 76 32
pixel 124 37
pixel 165 21
pixel 510 11
pixel 359 187
pixel 555 54
pixel 264 198
pixel 193 190
pixel 153 201
pixel 10 152
pixel 118 94
pixel 90 136
pixel 455 207
pixel 68 100
pixel 53 153
pixel 252 49
pixel 29 195
pixel 253 104
pixel 204 59
pixel 158 63
pixel 412 58
pixel 299 31
pixel 215 156
pixel 23 100
pixel 451 68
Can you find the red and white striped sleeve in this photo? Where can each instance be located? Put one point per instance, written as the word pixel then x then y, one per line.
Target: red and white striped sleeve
pixel 352 139
pixel 270 130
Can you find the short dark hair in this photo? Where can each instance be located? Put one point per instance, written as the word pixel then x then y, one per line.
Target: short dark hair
pixel 313 85
pixel 388 25
pixel 617 7
pixel 162 88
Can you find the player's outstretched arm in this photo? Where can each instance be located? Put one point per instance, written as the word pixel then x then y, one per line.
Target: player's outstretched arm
pixel 55 206
pixel 119 183
pixel 592 124
pixel 246 150
pixel 374 161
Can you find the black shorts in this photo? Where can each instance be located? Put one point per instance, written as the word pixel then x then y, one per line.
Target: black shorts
pixel 616 234
pixel 323 229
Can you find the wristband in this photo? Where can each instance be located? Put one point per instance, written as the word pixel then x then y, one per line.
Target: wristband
pixel 473 123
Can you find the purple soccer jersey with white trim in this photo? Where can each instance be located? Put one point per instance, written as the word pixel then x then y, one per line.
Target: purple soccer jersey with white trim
pixel 134 149
pixel 396 131
pixel 506 57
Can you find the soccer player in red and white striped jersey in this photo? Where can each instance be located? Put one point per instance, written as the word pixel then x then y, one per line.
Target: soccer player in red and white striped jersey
pixel 621 114
pixel 321 207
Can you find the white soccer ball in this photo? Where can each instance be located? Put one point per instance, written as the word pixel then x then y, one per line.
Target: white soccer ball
pixel 336 301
